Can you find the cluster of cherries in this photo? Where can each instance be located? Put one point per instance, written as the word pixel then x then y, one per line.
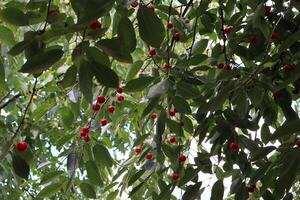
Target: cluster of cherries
pixel 96 108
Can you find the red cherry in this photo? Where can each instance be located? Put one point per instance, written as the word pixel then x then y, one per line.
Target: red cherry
pixel 234 146
pixel 228 30
pixel 87 138
pixel 172 113
pixel 120 90
pixel 253 40
pixel 167 66
pixel 134 3
pixel 277 95
pixel 221 65
pixel 153 116
pixel 111 108
pixel 274 36
pixel 84 131
pixel 289 68
pixel 251 188
pixel 104 122
pixel 172 139
pixel 181 124
pixel 96 107
pixel 175 176
pixel 295 91
pixel 267 10
pixel 149 156
pixel 152 52
pixel 101 99
pixel 22 146
pixel 151 6
pixel 53 11
pixel 95 24
pixel 176 36
pixel 138 149
pixel 170 25
pixel 298 143
pixel 121 98
pixel 182 158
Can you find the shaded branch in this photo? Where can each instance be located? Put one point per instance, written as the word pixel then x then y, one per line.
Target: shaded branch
pixel 223 32
pixel 11 99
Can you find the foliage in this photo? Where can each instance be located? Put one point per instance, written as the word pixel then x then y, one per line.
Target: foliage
pixel 219 77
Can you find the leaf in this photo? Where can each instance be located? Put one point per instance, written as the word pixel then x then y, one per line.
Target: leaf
pixel 105 75
pixel 189 174
pixel 41 111
pixel 6 36
pixel 217 102
pixel 20 166
pixel 72 166
pixel 102 156
pixel 87 190
pixel 67 116
pixel 41 61
pixel 287 129
pixel 290 41
pixel 85 81
pixel 187 91
pixel 69 77
pixel 50 190
pixel 217 191
pixel 135 177
pixel 133 70
pixel 151 29
pixel 19 47
pixel 158 89
pixel 50 176
pixel 192 192
pixel 138 84
pixel 126 34
pixel 14 16
pixel 150 107
pixel 181 105
pixel 96 55
pixel 93 173
pixel 113 48
pixel 3 85
pixel 262 152
pixel 160 128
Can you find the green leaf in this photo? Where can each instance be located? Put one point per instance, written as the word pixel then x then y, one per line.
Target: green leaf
pixel 189 174
pixel 20 166
pixel 113 195
pixel 20 46
pixel 42 61
pixel 181 105
pixel 187 91
pixel 105 75
pixel 96 55
pixel 217 102
pixel 256 95
pixel 102 156
pixel 67 116
pixel 3 85
pixel 113 48
pixel 138 84
pixel 41 111
pixel 50 176
pixel 287 129
pixel 50 190
pixel 290 41
pixel 135 177
pixel 133 70
pixel 192 192
pixel 217 191
pixel 151 28
pixel 87 190
pixel 126 34
pixel 6 36
pixel 262 152
pixel 150 107
pixel 93 173
pixel 85 81
pixel 160 128
pixel 70 77
pixel 14 16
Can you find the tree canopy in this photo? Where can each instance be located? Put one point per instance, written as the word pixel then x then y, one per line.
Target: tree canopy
pixel 140 99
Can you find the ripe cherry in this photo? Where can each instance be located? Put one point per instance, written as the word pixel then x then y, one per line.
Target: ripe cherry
pixel 134 3
pixel 298 143
pixel 267 10
pixel 176 36
pixel 152 52
pixel 120 98
pixel 22 146
pixel 120 90
pixel 289 68
pixel 96 107
pixel 221 65
pixel 95 24
pixel 295 91
pixel 277 95
pixel 181 124
pixel 251 188
pixel 182 158
pixel 172 113
pixel 175 176
pixel 167 66
pixel 104 122
pixel 228 30
pixel 149 156
pixel 170 25
pixel 234 146
pixel 111 108
pixel 138 149
pixel 253 40
pixel 274 35
pixel 153 116
pixel 101 99
pixel 172 139
pixel 87 138
pixel 84 131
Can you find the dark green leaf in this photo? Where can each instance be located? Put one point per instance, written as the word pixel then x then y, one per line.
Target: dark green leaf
pixel 93 173
pixel 102 156
pixel 181 105
pixel 49 190
pixel 20 166
pixel 217 191
pixel 87 190
pixel 126 34
pixel 138 84
pixel 14 16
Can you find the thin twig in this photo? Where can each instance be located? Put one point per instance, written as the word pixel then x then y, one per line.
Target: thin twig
pixel 194 37
pixel 11 99
pixel 223 32
pixel 48 10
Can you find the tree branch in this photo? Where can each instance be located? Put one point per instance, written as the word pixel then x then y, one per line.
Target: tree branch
pixel 48 10
pixel 11 99
pixel 223 32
